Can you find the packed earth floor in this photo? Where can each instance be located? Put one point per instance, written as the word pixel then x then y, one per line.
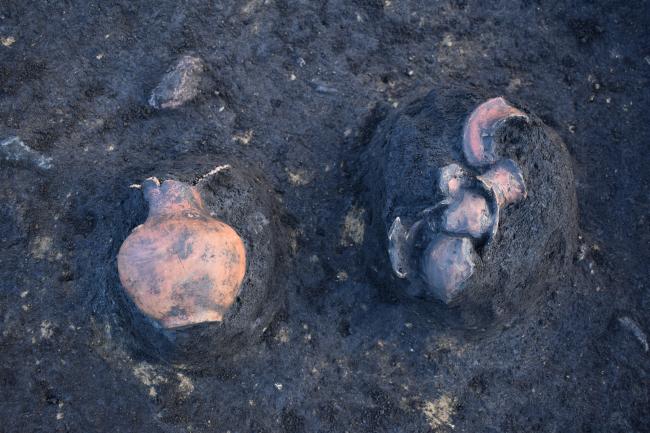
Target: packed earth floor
pixel 291 96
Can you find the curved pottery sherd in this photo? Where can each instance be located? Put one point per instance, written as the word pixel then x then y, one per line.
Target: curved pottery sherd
pixel 480 128
pixel 447 263
pixel 505 180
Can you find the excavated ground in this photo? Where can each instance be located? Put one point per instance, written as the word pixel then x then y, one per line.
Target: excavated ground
pixel 294 92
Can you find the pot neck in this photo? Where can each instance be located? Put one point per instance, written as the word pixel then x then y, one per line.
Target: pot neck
pixel 171 197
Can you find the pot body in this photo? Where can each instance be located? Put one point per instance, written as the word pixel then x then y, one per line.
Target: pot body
pixel 182 266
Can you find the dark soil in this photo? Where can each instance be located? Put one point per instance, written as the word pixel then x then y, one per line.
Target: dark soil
pixel 293 94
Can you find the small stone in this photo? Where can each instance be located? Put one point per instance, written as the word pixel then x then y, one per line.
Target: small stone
pixel 14 150
pixel 469 214
pixel 506 181
pixel 299 177
pixel 322 87
pixel 46 330
pixel 244 137
pixel 342 276
pixel 178 86
pixel 7 41
pixel 629 324
pixel 448 262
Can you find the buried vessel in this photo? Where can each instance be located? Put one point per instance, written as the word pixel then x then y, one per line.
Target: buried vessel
pixel 471 208
pixel 468 212
pixel 182 266
pixel 201 276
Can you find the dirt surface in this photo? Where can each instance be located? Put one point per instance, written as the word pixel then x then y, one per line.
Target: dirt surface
pixel 293 93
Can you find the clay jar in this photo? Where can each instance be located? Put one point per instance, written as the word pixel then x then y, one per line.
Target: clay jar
pixel 182 266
